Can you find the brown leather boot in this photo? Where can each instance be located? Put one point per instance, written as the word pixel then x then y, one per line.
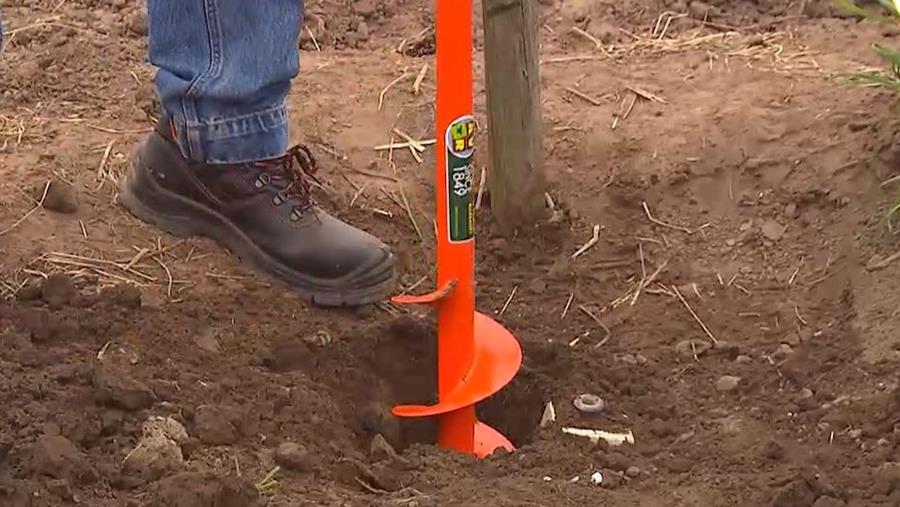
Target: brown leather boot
pixel 264 213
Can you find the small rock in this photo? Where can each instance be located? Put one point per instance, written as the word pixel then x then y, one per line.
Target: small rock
pixel 828 501
pixel 772 230
pixel 782 352
pixel 59 198
pixel 58 290
pixel 633 471
pixel 640 359
pixel 743 359
pixel 293 457
pixel 381 450
pixel 727 383
pixel 213 425
pixel 114 387
pixel 794 494
pixel 855 434
pixel 362 31
pixel 687 348
pixel 806 400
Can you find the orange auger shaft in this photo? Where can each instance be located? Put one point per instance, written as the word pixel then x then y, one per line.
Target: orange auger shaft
pixel 476 355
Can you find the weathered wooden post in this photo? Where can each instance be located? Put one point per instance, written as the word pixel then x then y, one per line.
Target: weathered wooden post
pixel 513 85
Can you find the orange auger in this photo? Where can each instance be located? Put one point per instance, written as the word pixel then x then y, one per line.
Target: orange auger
pixel 476 355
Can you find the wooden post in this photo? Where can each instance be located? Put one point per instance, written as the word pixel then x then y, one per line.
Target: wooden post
pixel 513 85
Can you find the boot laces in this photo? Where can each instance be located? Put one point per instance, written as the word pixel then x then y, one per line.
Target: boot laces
pixel 292 173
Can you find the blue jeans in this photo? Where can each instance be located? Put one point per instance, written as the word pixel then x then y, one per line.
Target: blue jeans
pixel 224 70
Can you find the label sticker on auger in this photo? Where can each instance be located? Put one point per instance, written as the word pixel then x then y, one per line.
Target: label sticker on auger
pixel 460 207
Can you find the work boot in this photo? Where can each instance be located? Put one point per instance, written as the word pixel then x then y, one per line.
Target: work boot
pixel 264 213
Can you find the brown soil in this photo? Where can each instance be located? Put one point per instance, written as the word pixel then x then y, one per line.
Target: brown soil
pixel 763 177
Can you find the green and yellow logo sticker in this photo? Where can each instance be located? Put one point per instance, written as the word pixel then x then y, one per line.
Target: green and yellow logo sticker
pixel 460 175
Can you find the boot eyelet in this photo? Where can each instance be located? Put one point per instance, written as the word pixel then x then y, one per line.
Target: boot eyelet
pixel 296 215
pixel 278 199
pixel 262 181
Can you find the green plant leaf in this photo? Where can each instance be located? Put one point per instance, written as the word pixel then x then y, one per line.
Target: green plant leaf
pixel 887 54
pixel 850 7
pixel 873 79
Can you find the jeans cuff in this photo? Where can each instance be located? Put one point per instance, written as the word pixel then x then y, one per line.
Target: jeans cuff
pixel 236 140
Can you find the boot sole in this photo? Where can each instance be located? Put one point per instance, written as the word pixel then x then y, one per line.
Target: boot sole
pixel 183 218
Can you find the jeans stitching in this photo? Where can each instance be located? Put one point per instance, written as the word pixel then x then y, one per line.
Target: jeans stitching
pixel 214 36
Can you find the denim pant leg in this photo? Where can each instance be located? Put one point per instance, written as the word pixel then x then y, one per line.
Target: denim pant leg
pixel 225 68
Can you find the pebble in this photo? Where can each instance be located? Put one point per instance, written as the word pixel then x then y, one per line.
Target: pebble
pixel 806 399
pixel 727 383
pixel 772 230
pixel 293 457
pixel 362 31
pixel 633 471
pixel 854 434
pixel 782 352
pixel 743 359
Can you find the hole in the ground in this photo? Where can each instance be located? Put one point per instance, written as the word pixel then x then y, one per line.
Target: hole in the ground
pixel 396 363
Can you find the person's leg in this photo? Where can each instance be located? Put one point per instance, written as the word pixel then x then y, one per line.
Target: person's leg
pixel 225 67
pixel 217 164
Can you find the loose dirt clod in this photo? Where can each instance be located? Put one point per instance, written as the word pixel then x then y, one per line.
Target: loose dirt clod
pixel 58 290
pixel 204 489
pixel 158 452
pixel 59 198
pixel 115 387
pixel 57 457
pixel 294 457
pixel 214 425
